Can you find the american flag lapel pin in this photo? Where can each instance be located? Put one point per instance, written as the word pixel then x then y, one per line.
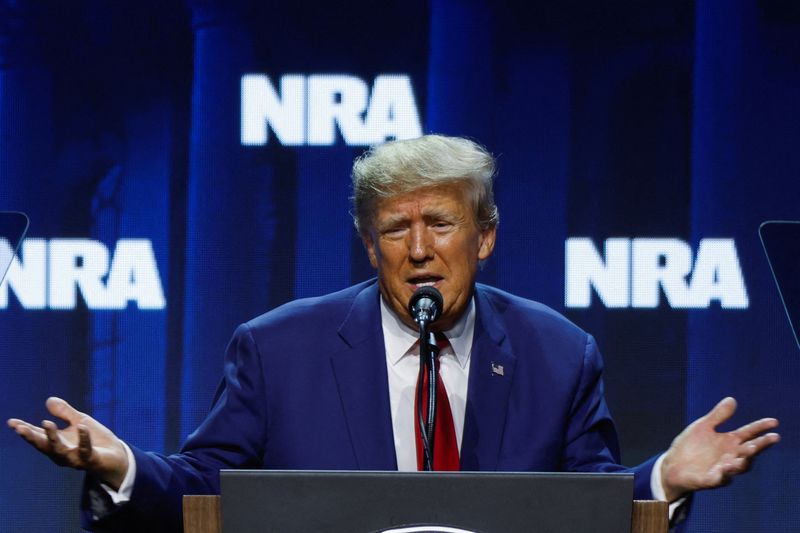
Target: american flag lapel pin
pixel 497 369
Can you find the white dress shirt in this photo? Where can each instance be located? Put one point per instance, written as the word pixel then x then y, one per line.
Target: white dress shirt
pixel 402 365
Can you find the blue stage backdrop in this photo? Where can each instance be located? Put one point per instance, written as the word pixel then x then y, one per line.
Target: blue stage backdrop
pixel 186 167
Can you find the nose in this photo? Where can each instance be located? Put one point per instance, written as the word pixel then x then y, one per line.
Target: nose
pixel 420 247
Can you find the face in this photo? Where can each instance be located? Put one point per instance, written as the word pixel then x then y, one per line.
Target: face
pixel 428 237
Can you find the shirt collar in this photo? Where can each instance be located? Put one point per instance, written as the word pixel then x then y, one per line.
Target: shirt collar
pixel 400 340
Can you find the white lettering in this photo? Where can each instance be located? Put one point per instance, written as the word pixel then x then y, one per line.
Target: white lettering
pixel 77 264
pixel 634 272
pixel 586 269
pixel 52 274
pixel 718 276
pixel 308 111
pixel 133 277
pixel 664 264
pixel 26 276
pixel 336 100
pixel 263 107
pixel 392 110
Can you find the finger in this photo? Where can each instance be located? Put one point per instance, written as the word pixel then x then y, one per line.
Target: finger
pixel 16 423
pixel 716 476
pixel 721 412
pixel 84 444
pixel 51 432
pixel 735 466
pixel 723 471
pixel 63 410
pixel 759 444
pixel 34 435
pixel 754 429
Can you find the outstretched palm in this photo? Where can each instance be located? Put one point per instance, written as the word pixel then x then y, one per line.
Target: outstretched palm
pixel 84 444
pixel 702 458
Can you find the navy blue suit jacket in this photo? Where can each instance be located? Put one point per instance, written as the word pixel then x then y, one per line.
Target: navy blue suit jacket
pixel 305 387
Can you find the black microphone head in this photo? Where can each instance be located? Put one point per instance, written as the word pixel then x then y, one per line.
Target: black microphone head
pixel 426 303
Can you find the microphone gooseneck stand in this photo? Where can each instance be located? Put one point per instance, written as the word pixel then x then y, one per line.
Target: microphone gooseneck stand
pixel 425 307
pixel 427 364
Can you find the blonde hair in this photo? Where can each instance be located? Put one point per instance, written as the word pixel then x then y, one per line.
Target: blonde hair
pixel 399 167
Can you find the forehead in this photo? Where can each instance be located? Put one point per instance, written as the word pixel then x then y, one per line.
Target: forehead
pixel 451 197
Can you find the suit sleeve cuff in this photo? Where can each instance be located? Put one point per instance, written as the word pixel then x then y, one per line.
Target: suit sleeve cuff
pixel 123 494
pixel 658 489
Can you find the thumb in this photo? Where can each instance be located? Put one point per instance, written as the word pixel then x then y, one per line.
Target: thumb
pixel 63 410
pixel 721 412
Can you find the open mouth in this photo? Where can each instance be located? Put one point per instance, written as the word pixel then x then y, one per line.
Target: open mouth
pixel 425 281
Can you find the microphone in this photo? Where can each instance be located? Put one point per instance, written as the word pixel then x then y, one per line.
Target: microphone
pixel 426 305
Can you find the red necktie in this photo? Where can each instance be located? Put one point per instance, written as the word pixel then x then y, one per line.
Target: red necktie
pixel 445 446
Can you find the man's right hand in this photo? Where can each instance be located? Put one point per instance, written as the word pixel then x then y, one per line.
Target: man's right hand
pixel 84 444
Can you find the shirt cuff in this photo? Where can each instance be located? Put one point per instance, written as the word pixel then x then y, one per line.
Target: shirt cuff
pixel 658 489
pixel 123 494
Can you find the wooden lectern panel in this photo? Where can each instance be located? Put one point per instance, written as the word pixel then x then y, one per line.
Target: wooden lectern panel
pixel 650 517
pixel 203 514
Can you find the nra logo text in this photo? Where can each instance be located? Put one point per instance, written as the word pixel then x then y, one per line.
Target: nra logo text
pixel 308 110
pixel 49 274
pixel 634 272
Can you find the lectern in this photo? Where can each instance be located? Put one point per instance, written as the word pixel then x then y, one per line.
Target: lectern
pixel 372 502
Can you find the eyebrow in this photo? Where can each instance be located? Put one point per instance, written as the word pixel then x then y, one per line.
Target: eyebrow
pixel 430 213
pixel 391 220
pixel 440 214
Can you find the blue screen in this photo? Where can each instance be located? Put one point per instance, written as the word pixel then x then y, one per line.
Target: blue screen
pixel 186 167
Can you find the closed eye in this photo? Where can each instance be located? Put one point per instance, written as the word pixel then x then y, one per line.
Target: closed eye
pixel 393 232
pixel 442 225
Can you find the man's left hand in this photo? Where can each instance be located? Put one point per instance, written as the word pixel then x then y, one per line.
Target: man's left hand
pixel 702 458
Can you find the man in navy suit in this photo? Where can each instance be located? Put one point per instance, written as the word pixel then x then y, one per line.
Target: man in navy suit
pixel 329 382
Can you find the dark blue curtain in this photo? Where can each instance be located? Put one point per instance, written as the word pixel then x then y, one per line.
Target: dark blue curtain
pixel 744 171
pixel 609 120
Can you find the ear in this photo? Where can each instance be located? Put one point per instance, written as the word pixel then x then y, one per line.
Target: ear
pixel 372 252
pixel 486 245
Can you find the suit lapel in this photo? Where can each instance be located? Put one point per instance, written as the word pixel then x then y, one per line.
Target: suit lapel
pixel 490 377
pixel 361 378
